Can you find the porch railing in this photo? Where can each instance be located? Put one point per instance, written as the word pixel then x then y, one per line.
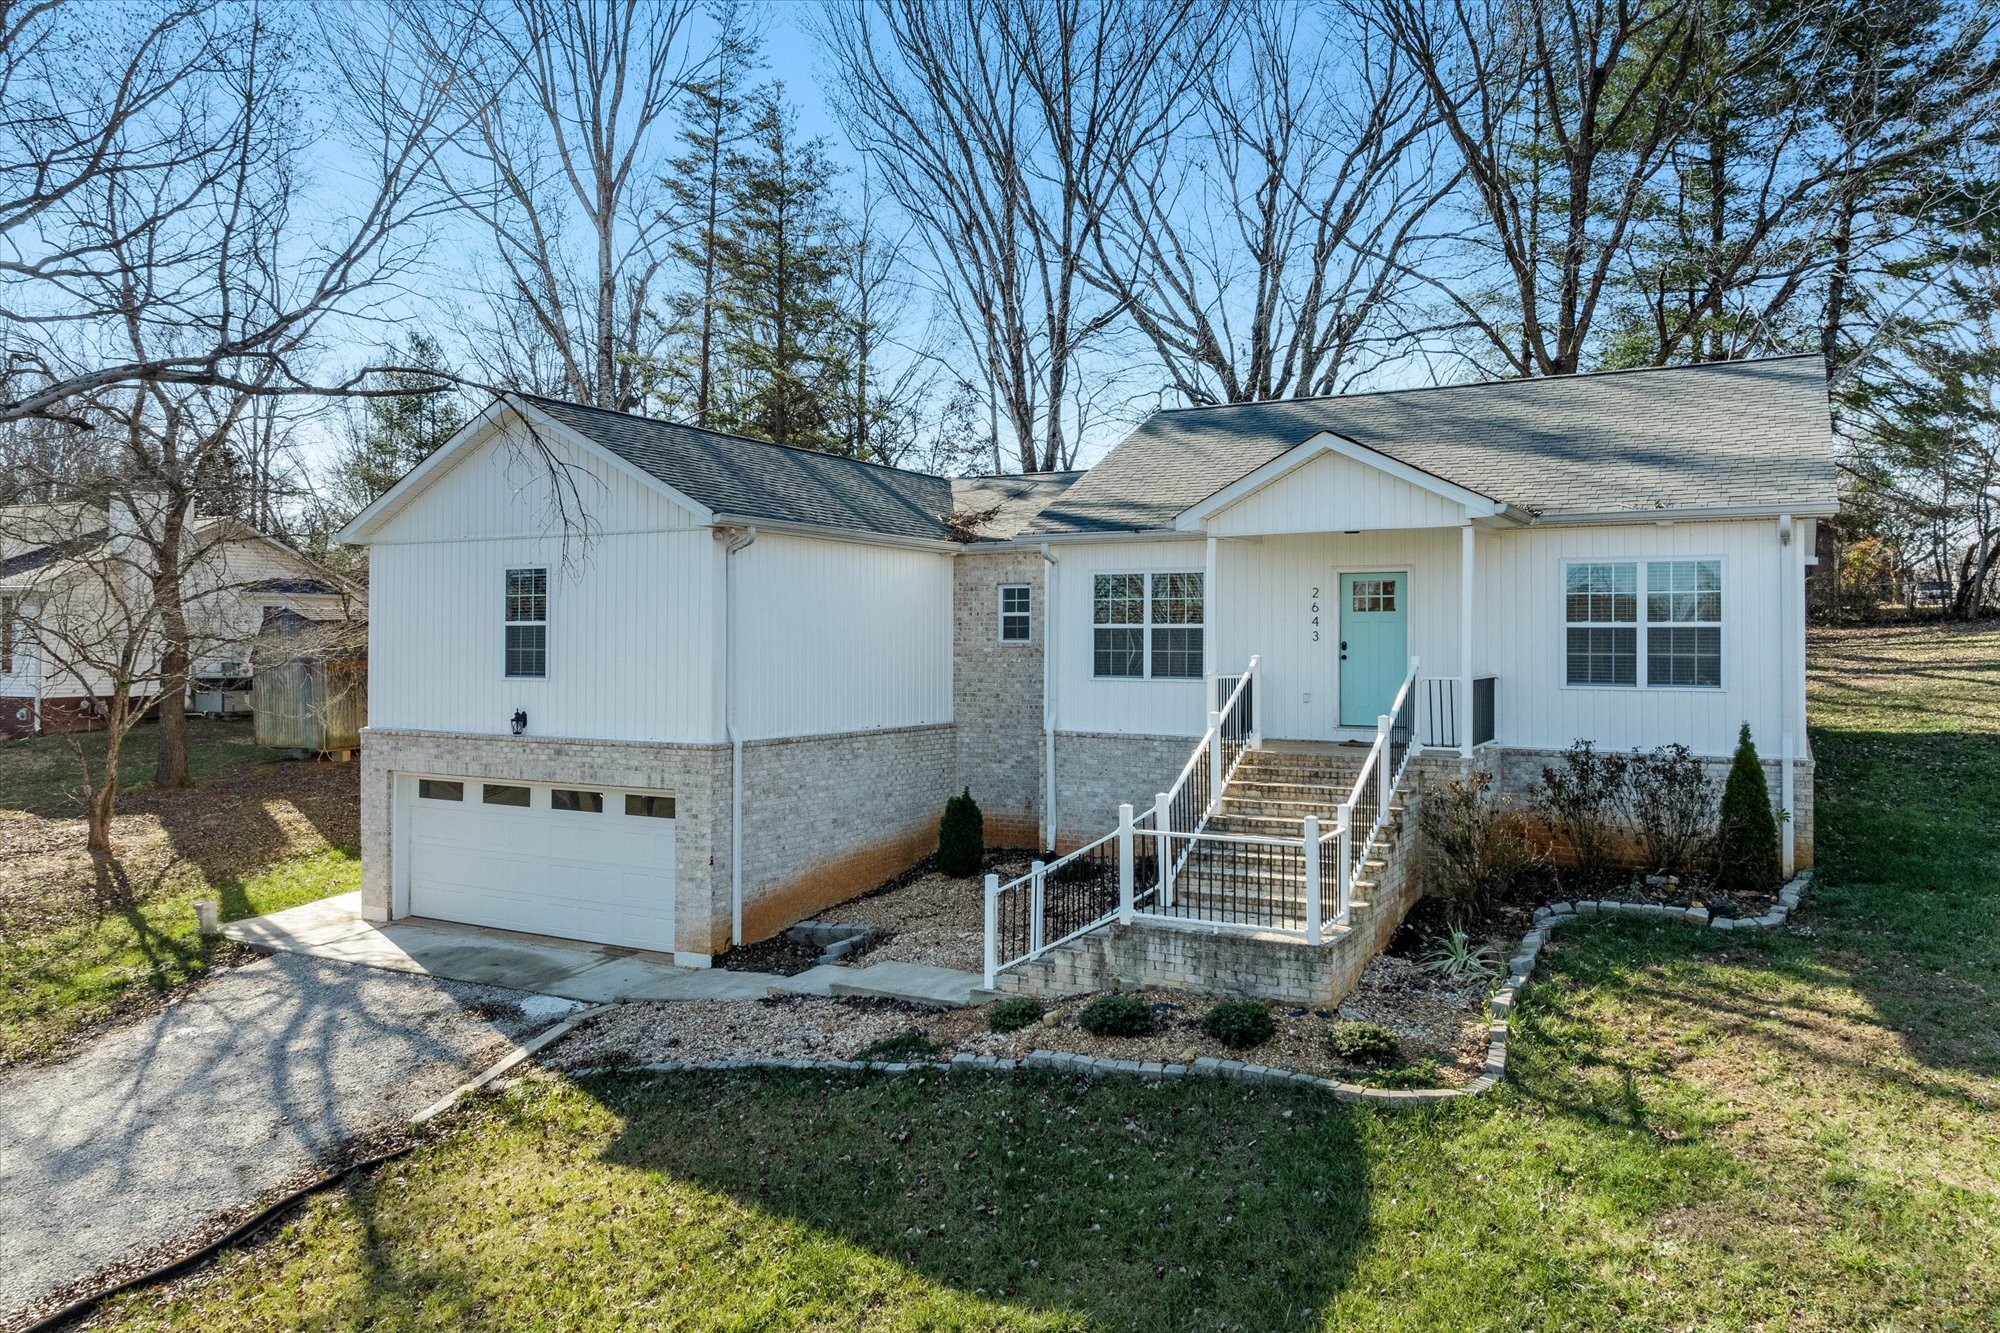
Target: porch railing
pixel 1163 863
pixel 1444 712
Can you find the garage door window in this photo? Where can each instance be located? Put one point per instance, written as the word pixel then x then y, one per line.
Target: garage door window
pixel 498 795
pixel 655 807
pixel 433 789
pixel 590 802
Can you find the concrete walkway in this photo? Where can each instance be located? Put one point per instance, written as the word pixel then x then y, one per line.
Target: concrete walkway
pixel 333 929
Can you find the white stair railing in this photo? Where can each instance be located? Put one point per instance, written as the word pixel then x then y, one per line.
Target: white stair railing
pixel 1101 882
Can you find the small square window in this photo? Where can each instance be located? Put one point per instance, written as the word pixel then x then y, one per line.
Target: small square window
pixel 1016 602
pixel 564 798
pixel 495 794
pixel 436 789
pixel 650 807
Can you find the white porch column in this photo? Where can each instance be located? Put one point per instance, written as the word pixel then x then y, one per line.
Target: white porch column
pixel 1467 568
pixel 1791 614
pixel 1209 700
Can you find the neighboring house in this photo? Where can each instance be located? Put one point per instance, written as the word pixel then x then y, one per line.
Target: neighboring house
pixel 740 681
pixel 72 586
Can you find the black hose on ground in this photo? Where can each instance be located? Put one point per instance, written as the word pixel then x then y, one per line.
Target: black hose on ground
pixel 85 1305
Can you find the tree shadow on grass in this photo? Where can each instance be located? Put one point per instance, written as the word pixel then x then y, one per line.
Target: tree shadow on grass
pixel 1116 1202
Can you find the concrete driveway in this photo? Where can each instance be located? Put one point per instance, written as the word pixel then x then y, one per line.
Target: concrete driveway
pixel 155 1129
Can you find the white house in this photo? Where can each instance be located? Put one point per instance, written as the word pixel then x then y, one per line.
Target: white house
pixel 653 686
pixel 72 594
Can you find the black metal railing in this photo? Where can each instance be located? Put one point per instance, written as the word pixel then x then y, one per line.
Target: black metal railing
pixel 1244 881
pixel 1402 732
pixel 1441 713
pixel 1237 708
pixel 1482 710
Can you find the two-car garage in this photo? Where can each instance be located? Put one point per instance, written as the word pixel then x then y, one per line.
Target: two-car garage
pixel 581 862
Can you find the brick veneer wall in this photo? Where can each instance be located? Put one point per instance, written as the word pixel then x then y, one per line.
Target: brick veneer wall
pixel 827 817
pixel 697 775
pixel 997 696
pixel 1097 771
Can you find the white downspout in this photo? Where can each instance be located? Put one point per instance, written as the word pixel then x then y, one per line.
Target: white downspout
pixel 1050 571
pixel 1790 594
pixel 1467 571
pixel 737 543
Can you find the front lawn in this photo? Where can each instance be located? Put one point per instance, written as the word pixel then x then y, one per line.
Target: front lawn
pixel 1787 1131
pixel 84 939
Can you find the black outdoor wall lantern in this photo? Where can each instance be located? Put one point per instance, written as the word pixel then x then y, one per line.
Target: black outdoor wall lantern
pixel 519 722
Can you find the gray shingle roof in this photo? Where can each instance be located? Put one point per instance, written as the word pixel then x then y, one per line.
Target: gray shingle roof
pixel 996 508
pixel 1740 433
pixel 756 479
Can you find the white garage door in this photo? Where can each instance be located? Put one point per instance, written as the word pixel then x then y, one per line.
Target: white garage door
pixel 583 863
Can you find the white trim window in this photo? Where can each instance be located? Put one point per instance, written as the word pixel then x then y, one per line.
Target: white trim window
pixel 1017 601
pixel 527 625
pixel 1679 619
pixel 1148 626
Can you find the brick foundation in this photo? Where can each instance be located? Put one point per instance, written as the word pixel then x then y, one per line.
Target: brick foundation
pixel 829 817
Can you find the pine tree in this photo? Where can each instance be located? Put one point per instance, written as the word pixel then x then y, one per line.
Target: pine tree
pixel 783 257
pixel 704 184
pixel 1747 845
pixel 393 434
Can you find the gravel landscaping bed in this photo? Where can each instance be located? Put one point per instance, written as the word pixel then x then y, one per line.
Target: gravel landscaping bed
pixel 934 919
pixel 1442 1028
pixel 695 1031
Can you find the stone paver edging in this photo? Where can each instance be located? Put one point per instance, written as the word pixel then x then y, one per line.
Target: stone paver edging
pixel 1520 968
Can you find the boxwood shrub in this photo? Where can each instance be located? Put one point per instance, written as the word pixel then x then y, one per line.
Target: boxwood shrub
pixel 1239 1024
pixel 1014 1013
pixel 1116 1016
pixel 1363 1043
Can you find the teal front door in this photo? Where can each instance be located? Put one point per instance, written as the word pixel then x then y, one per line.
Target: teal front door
pixel 1374 644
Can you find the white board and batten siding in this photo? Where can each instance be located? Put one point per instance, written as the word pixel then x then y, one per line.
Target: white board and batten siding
pixel 830 635
pixel 1122 707
pixel 1332 493
pixel 1270 592
pixel 632 605
pixel 1519 638
pixel 835 636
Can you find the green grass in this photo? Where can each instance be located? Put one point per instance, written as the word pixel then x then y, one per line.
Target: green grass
pixel 42 771
pixel 55 984
pixel 1786 1131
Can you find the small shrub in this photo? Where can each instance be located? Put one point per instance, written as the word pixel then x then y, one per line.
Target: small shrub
pixel 1747 843
pixel 1013 1014
pixel 1472 847
pixel 1364 1043
pixel 897 1049
pixel 1116 1016
pixel 961 836
pixel 1584 797
pixel 1239 1024
pixel 1673 808
pixel 1459 959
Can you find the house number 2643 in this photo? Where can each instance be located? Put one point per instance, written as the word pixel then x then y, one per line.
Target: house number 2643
pixel 1315 615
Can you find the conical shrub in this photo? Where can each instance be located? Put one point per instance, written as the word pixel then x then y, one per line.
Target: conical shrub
pixel 961 836
pixel 1747 843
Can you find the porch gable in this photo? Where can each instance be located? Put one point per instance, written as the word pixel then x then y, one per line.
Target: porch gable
pixel 1331 484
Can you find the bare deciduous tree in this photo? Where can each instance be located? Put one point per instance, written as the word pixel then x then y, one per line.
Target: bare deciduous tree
pixel 148 170
pixel 995 124
pixel 1262 250
pixel 1562 113
pixel 561 99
